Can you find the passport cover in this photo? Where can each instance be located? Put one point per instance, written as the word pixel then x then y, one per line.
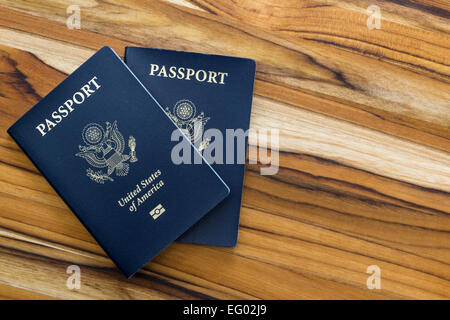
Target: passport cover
pixel 217 91
pixel 104 144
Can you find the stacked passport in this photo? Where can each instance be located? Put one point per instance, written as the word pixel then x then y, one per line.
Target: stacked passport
pixel 147 152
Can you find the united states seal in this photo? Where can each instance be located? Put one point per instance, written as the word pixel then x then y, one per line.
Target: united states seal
pixel 104 148
pixel 185 117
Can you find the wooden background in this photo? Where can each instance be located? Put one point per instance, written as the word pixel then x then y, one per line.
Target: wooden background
pixel 364 173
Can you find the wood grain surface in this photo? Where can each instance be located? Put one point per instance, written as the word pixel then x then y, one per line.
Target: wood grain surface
pixel 364 178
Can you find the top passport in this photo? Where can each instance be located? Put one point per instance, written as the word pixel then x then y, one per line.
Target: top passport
pixel 105 145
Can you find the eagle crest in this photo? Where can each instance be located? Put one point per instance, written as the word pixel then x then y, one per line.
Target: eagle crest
pixel 185 117
pixel 104 148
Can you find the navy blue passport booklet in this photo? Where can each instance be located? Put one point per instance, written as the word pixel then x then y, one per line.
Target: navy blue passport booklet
pixel 104 144
pixel 203 93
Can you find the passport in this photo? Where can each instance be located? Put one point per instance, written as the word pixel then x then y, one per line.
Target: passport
pixel 216 92
pixel 104 144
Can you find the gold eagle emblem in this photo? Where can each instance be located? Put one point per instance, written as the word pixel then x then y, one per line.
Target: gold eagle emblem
pixel 104 148
pixel 185 117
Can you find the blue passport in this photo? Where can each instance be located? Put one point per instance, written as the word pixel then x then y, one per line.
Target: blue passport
pixel 215 92
pixel 105 144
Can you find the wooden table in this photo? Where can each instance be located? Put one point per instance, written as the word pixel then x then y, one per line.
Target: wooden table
pixel 364 178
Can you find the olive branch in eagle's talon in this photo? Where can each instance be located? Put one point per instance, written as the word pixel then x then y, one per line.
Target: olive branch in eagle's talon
pixel 98 176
